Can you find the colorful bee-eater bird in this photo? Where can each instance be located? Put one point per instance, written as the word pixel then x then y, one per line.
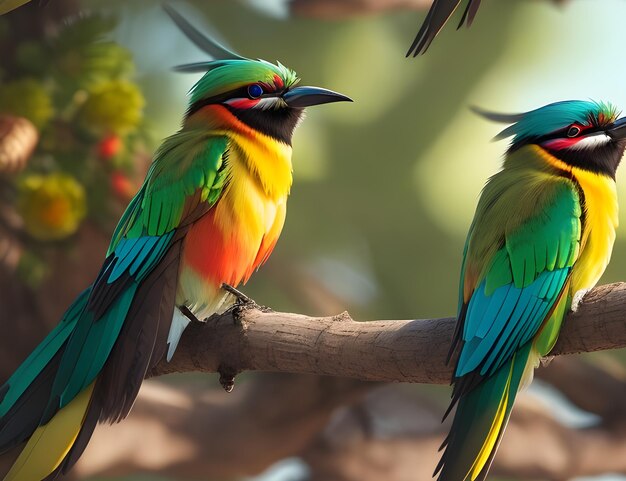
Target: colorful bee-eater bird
pixel 209 212
pixel 543 231
pixel 439 13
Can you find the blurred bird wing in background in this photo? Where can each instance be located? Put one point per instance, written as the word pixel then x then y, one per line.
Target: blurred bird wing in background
pixel 204 42
pixel 7 5
pixel 438 15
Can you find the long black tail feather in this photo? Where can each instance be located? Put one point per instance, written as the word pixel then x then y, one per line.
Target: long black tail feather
pixel 438 15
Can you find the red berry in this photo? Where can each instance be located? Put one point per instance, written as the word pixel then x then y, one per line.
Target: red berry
pixel 123 187
pixel 109 146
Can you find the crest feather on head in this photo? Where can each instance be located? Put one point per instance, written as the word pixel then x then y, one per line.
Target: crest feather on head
pixel 215 50
pixel 551 117
pixel 226 70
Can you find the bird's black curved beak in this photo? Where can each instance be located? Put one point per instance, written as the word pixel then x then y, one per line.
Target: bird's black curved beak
pixel 301 97
pixel 617 130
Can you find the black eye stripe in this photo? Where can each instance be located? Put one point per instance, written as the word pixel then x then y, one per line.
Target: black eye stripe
pixel 560 134
pixel 218 99
pixel 241 92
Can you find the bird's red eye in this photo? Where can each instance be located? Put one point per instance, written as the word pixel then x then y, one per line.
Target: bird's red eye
pixel 574 131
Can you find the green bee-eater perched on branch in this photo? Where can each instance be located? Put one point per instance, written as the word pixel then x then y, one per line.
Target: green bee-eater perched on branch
pixel 209 213
pixel 543 231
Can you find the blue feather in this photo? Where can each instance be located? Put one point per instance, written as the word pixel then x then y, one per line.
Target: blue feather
pixel 497 325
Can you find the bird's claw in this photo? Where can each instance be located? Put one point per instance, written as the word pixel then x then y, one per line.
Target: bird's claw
pixel 243 302
pixel 578 298
pixel 190 315
pixel 242 299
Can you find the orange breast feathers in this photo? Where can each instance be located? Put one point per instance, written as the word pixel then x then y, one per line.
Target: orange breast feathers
pixel 224 247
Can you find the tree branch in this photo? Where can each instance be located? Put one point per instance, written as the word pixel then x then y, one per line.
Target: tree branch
pixel 406 351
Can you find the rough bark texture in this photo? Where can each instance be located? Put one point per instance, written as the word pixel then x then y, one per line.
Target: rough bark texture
pixel 406 351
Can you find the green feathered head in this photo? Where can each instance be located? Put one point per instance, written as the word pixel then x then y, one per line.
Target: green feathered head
pixel 558 116
pixel 259 93
pixel 226 75
pixel 582 133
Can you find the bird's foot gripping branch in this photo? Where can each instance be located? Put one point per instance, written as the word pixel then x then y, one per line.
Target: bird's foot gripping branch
pixel 242 302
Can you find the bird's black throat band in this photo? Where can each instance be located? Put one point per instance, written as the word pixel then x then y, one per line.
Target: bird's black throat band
pixel 603 159
pixel 276 123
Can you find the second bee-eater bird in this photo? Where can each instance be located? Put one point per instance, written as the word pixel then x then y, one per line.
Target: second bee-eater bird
pixel 209 212
pixel 543 230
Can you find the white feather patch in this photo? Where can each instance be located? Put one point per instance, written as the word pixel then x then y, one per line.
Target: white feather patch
pixel 221 300
pixel 267 103
pixel 178 326
pixel 577 299
pixel 591 142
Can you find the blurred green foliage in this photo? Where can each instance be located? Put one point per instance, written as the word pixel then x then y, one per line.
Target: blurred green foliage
pixel 72 87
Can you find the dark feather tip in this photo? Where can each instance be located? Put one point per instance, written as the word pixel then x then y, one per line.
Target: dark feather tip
pixel 438 15
pixel 4 389
pixel 197 67
pixel 205 43
pixel 496 116
pixel 469 14
pixel 422 41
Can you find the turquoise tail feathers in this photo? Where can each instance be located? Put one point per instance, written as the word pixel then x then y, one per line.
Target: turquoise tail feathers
pixel 479 422
pixel 22 395
pixel 87 350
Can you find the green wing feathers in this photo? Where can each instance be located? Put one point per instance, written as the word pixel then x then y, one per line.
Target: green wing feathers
pixel 534 218
pixel 117 329
pixel 187 170
pixel 514 292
